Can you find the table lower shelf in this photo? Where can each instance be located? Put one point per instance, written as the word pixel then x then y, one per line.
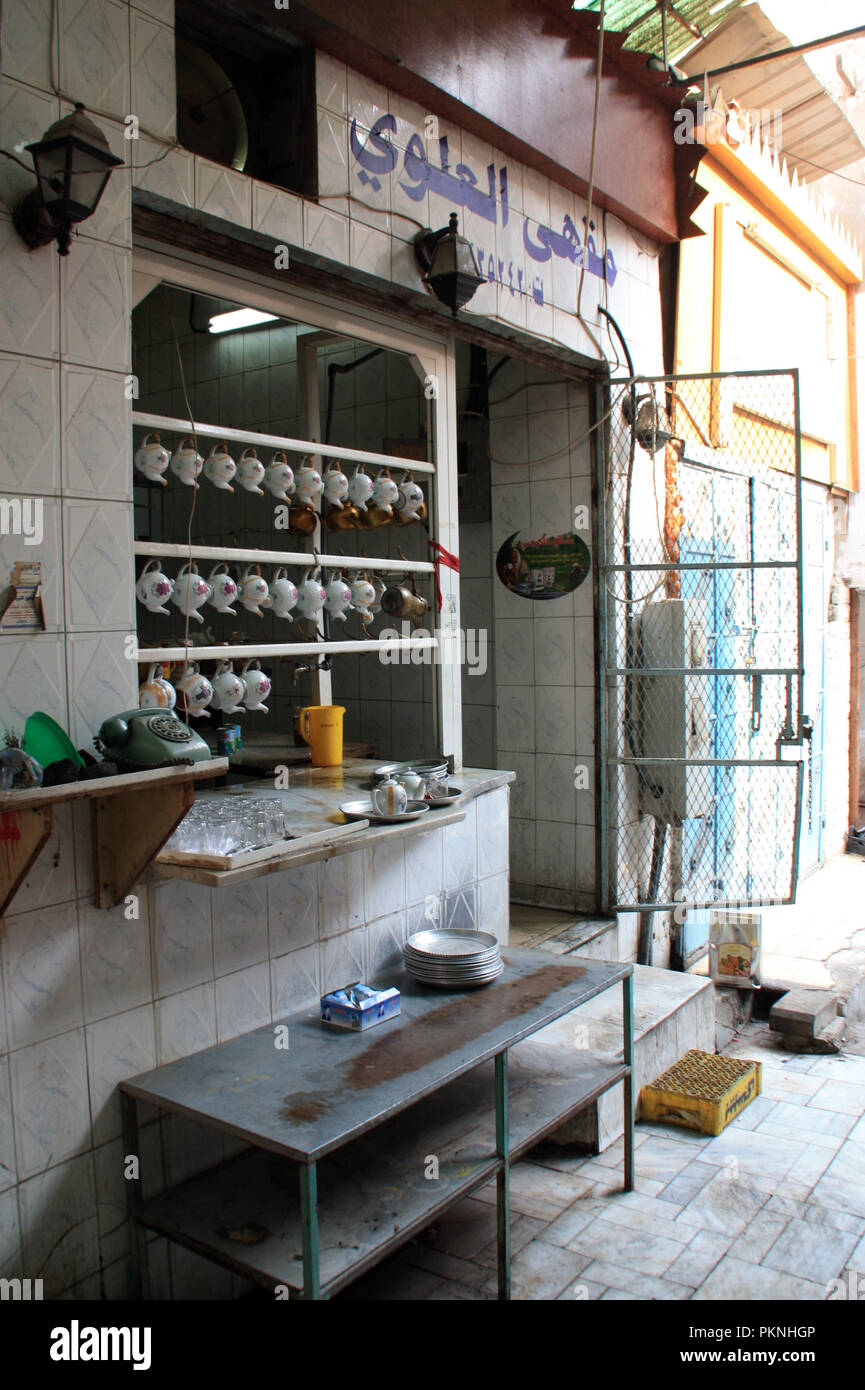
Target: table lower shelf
pixel 376 1192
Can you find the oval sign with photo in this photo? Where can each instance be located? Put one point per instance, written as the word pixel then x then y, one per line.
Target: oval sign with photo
pixel 549 567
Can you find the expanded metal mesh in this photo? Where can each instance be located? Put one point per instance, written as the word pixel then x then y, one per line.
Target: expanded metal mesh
pixel 701 634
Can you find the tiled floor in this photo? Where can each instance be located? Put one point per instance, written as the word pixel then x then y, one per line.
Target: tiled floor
pixel 772 1208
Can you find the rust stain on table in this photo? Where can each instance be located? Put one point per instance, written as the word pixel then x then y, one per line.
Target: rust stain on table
pixel 434 1035
pixel 303 1107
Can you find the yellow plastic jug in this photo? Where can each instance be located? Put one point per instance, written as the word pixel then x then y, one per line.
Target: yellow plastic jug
pixel 321 728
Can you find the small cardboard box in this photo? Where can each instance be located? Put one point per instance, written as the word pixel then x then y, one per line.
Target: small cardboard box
pixel 349 1008
pixel 702 1091
pixel 734 948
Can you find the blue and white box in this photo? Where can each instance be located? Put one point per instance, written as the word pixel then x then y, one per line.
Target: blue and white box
pixel 359 1006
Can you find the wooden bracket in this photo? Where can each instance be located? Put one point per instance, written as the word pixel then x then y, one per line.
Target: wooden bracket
pixel 129 830
pixel 22 835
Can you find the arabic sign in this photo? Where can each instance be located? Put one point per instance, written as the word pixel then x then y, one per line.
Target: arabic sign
pixel 549 567
pixel 499 258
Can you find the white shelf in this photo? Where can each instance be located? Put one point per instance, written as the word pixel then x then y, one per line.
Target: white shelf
pixel 277 441
pixel 298 558
pixel 228 652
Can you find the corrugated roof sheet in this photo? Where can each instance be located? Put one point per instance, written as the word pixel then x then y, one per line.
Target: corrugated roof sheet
pixel 688 21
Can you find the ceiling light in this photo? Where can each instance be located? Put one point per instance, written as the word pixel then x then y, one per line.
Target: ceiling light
pixel 239 318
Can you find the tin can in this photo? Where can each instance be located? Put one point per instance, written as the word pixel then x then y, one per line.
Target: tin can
pixel 238 737
pixel 225 741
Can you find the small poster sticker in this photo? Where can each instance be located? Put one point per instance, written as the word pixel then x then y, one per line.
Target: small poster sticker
pixel 547 568
pixel 22 610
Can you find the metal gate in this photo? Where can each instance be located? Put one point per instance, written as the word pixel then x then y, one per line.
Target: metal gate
pixel 700 581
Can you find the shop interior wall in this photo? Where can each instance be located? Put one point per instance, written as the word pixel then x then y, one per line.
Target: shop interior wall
pixel 248 380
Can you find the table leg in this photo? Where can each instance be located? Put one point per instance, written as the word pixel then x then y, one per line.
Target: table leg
pixel 309 1221
pixel 503 1178
pixel 628 1057
pixel 139 1280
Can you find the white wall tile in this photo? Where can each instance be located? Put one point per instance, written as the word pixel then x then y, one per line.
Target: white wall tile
pixel 185 1023
pixel 330 83
pixel 182 935
pixel 292 908
pixel 242 1001
pixel 25 115
pixel 102 681
pixel 515 662
pixel 342 893
pixel 98 547
pixel 96 425
pixel 555 794
pixel 42 975
pixel 555 719
pixel 154 97
pixel 555 853
pixel 26 46
pixel 325 233
pixel 28 305
pixel 169 175
pixel 295 981
pixel 50 1102
pixel 515 717
pixel 117 1047
pixel 223 192
pixel 554 651
pixel 10 1235
pixel 424 865
pixel 494 906
pixel 492 830
pixel 112 220
pixel 239 925
pixel 277 214
pixel 115 958
pixel 370 250
pixel 32 676
pixel 95 325
pixel 460 850
pixel 94 65
pixel 29 410
pixel 385 879
pixel 343 960
pixel 58 1224
pixel 523 788
pixel 386 939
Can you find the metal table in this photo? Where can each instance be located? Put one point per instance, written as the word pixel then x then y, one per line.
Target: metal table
pixel 359 1140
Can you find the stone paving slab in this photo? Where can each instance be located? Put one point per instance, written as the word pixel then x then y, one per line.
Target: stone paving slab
pixel 773 1208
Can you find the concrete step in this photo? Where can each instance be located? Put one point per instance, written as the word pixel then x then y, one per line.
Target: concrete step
pixel 593 937
pixel 803 1013
pixel 672 1013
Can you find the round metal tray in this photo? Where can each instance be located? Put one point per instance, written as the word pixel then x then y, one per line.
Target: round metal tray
pixel 451 943
pixel 364 810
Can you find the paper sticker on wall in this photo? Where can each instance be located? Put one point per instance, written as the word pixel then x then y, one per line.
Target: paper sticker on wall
pixel 549 567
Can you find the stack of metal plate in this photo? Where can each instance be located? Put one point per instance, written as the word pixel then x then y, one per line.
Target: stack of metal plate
pixel 452 958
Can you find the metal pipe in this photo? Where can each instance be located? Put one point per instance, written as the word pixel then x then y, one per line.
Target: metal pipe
pixel 788 52
pixel 659 840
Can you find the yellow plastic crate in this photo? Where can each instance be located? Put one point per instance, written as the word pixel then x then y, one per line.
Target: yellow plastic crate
pixel 702 1091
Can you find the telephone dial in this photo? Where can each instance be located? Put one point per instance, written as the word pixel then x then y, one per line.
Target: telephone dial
pixel 139 739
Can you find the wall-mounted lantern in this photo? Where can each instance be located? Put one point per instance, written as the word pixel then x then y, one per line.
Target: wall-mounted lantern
pixel 448 264
pixel 73 164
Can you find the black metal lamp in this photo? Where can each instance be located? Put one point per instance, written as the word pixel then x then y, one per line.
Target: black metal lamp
pixel 448 264
pixel 73 164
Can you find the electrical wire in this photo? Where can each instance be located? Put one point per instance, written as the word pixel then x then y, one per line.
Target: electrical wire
pixel 195 488
pixel 595 122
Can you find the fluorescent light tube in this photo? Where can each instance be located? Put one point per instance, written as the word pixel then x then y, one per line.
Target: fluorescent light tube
pixel 238 318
